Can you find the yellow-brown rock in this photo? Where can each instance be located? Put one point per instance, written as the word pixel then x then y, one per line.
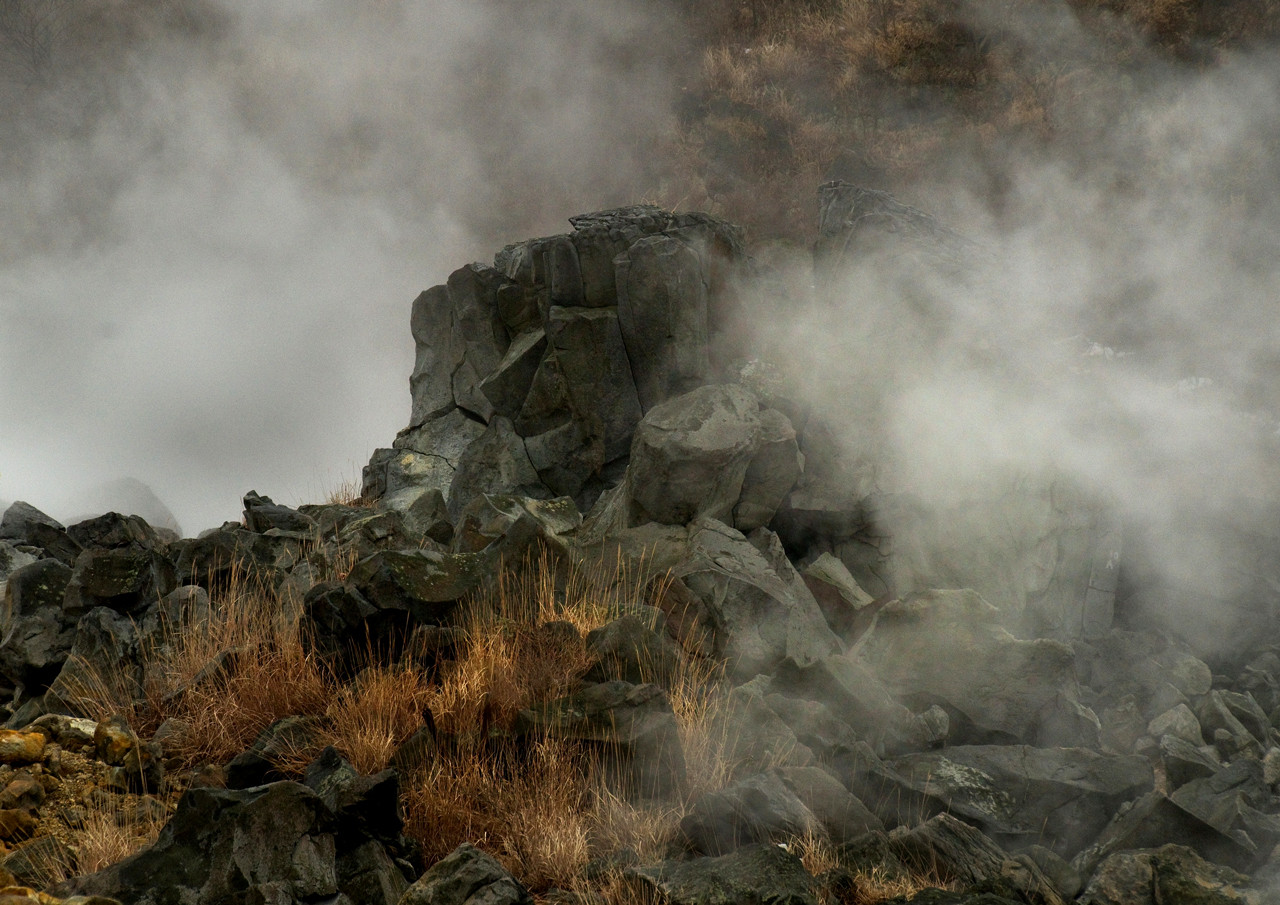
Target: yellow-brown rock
pixel 18 747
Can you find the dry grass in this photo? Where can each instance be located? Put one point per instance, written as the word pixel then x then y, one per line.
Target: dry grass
pixel 531 808
pixel 110 828
pixel 542 806
pixel 349 492
pixel 112 832
pixel 228 678
pixel 373 715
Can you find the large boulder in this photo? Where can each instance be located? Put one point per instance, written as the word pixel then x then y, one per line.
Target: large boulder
pixel 776 806
pixel 37 632
pixel 24 525
pixel 283 842
pixel 495 462
pixel 951 849
pixel 727 596
pixel 559 337
pixel 760 874
pixel 1171 873
pixel 467 876
pixel 1061 798
pixel 949 648
pixel 690 456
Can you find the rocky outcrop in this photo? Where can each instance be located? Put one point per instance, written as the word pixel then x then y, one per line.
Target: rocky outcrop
pixel 558 349
pixel 950 699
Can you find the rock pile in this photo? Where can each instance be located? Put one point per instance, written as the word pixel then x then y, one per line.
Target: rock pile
pixel 912 722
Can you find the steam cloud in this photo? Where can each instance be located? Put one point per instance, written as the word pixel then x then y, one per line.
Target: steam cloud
pixel 222 221
pixel 218 213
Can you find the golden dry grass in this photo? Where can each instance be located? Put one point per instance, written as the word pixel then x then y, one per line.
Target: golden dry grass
pixel 541 805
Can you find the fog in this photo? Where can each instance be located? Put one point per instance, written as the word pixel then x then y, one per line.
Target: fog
pixel 1113 331
pixel 218 213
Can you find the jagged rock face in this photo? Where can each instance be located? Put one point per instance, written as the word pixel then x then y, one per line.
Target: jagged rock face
pixel 566 341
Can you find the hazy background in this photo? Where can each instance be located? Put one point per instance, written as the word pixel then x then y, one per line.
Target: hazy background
pixel 217 214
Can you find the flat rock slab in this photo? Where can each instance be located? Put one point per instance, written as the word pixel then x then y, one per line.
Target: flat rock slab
pixel 753 875
pixel 1061 798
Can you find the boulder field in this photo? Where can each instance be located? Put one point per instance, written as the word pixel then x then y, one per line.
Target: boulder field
pixel 994 718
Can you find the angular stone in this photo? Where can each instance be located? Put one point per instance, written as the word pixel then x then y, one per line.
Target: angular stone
pixel 496 462
pixel 488 517
pixel 756 809
pixel 1155 820
pixel 546 405
pixel 752 875
pixel 261 514
pixel 1179 722
pixel 564 459
pixel 948 648
pixel 270 843
pixel 439 352
pixel 1184 761
pixel 1171 873
pixel 507 386
pixel 423 511
pixel 662 311
pixel 772 472
pixel 423 583
pixel 755 736
pixel 690 456
pixel 106 648
pixel 563 275
pixel 598 383
pixel 846 607
pixel 23 523
pixel 847 687
pixel 947 847
pixel 39 633
pixel 629 649
pixel 1060 798
pixel 114 530
pixel 756 617
pixel 123 578
pixel 473 293
pixel 467 876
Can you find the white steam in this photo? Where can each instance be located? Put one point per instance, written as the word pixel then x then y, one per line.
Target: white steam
pixel 212 239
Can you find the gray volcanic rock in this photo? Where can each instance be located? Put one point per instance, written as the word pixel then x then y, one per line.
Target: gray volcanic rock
pixel 948 648
pixel 546 339
pixel 736 602
pixel 690 456
pixel 776 806
pixel 753 875
pixel 496 462
pixel 662 306
pixel 947 847
pixel 38 634
pixel 272 843
pixel 1061 798
pixel 25 525
pixel 467 876
pixel 1171 873
pixel 129 496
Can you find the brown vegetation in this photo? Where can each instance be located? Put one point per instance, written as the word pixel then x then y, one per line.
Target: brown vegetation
pixel 899 94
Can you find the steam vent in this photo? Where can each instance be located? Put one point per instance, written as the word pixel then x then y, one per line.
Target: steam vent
pixel 634 555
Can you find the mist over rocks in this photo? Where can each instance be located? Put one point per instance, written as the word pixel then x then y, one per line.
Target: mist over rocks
pixel 977 680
